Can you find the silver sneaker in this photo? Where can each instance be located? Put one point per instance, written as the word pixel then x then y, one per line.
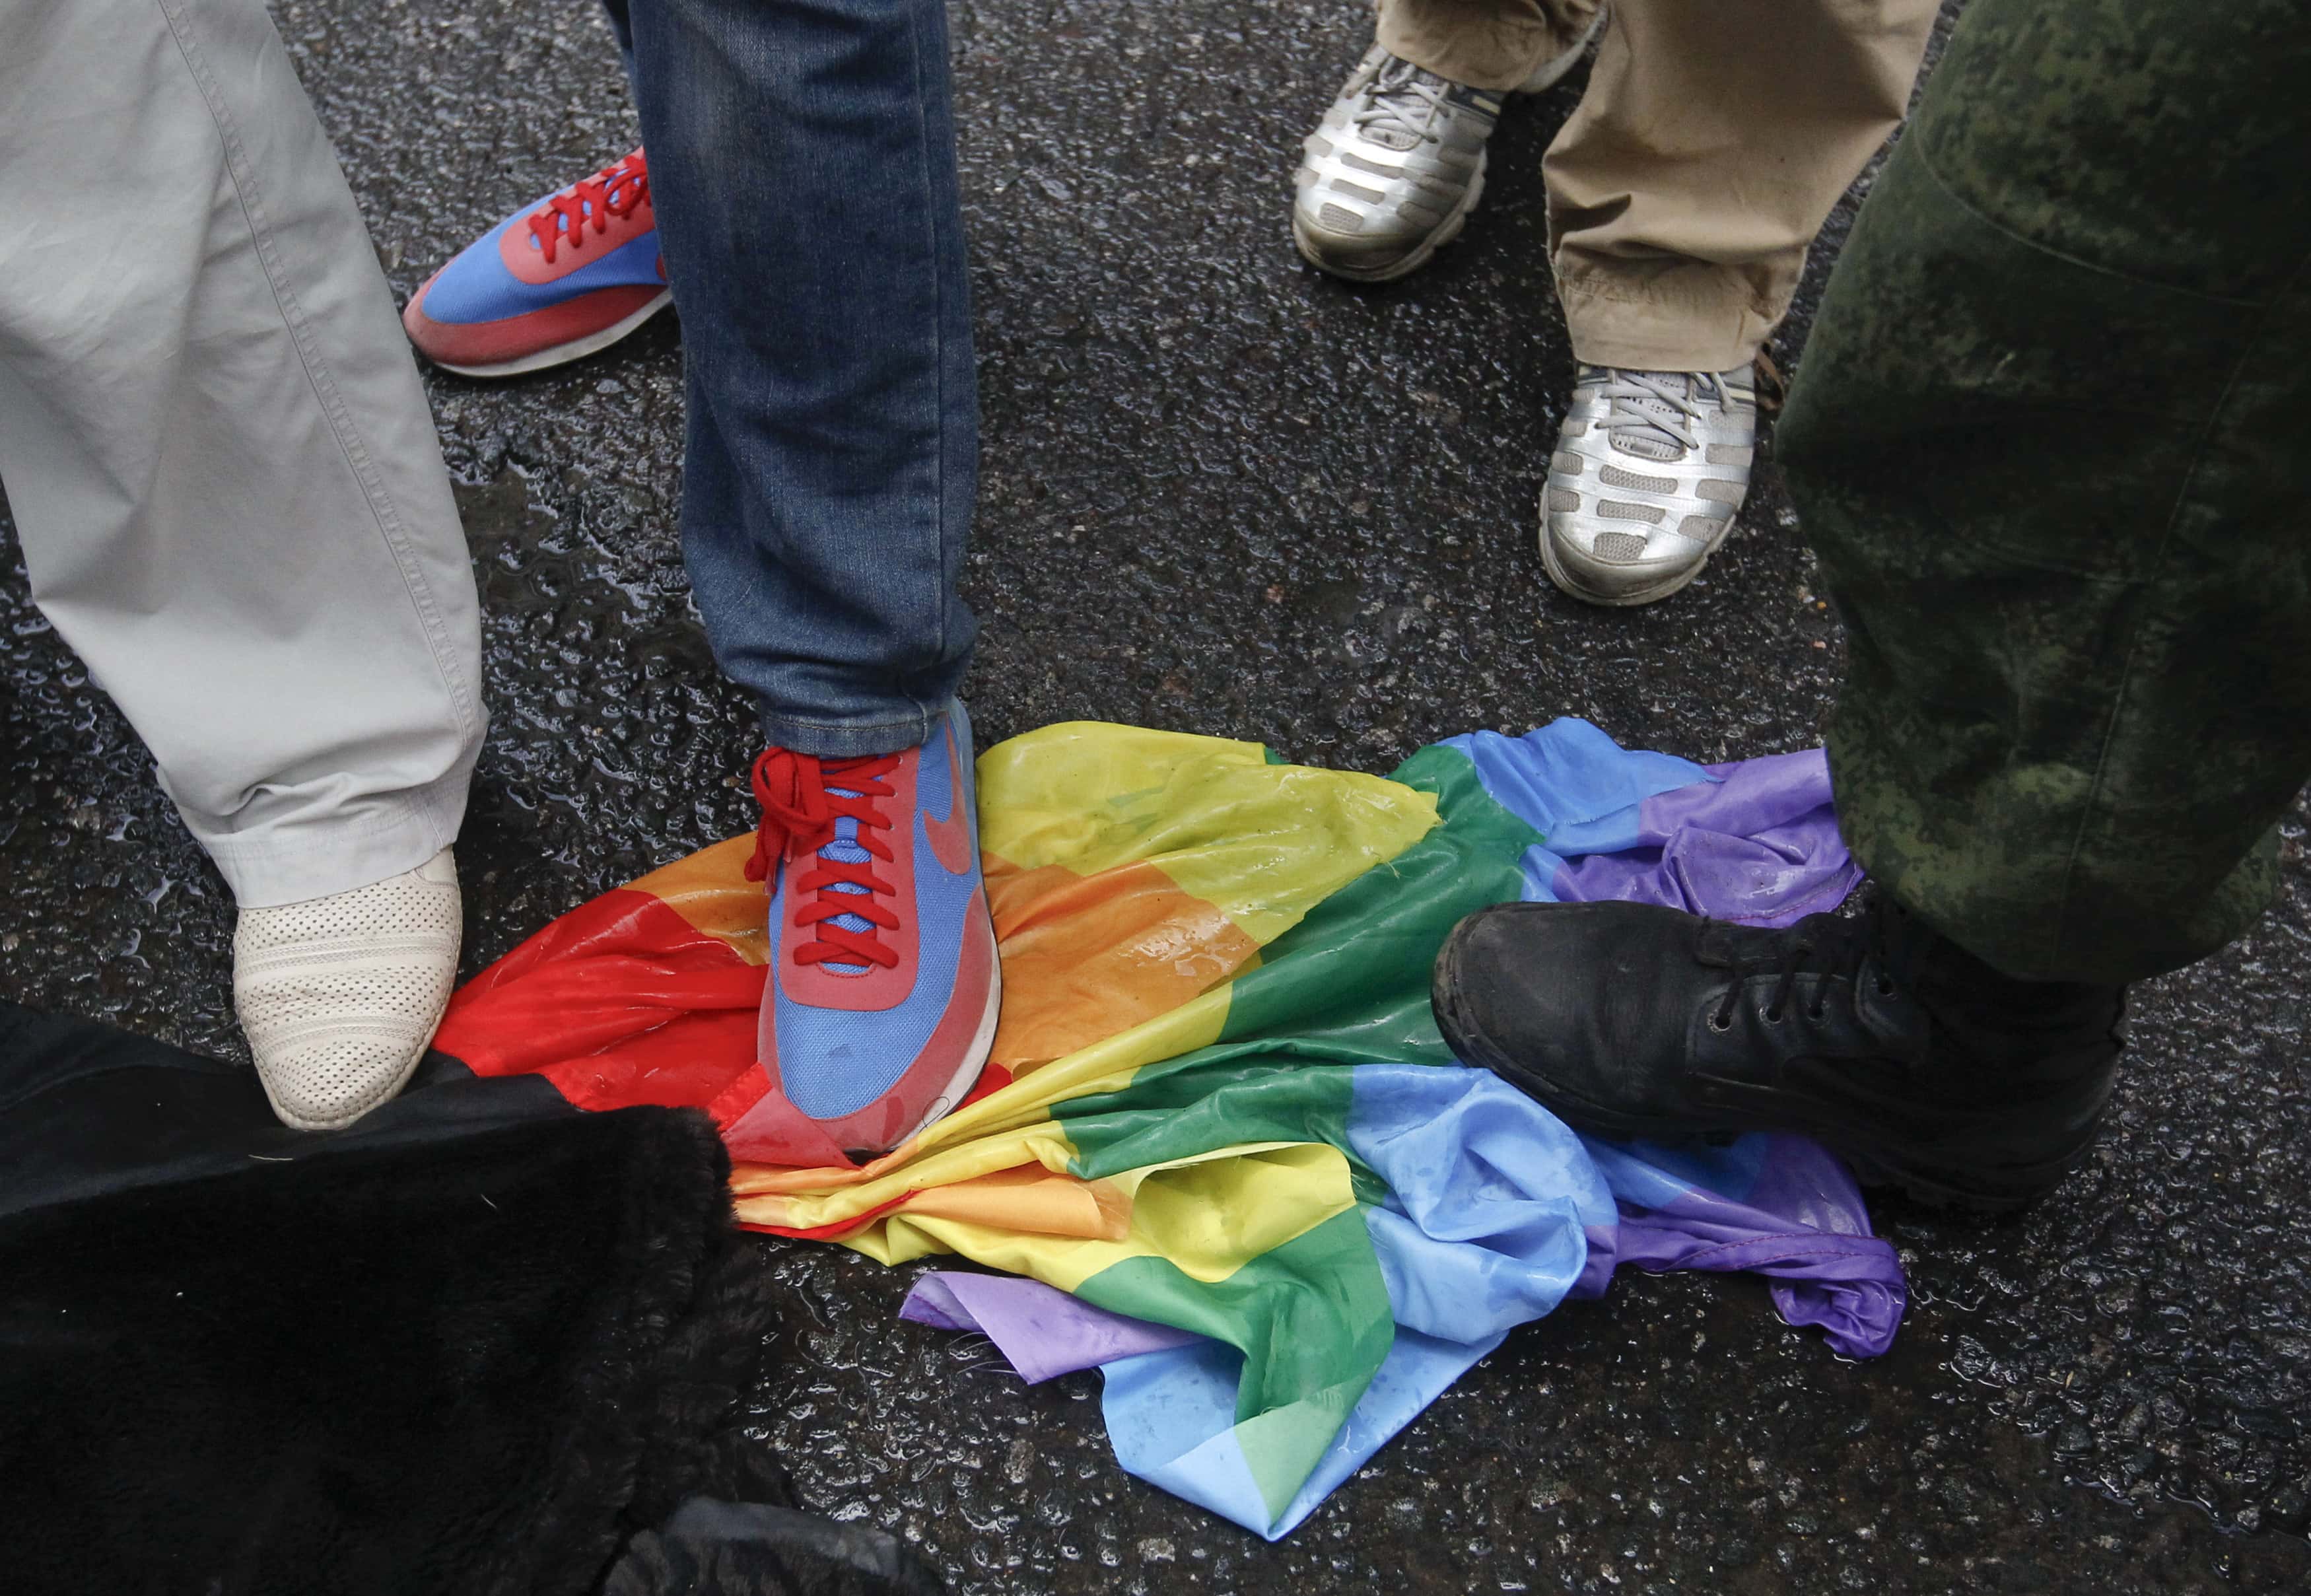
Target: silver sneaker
pixel 1650 468
pixel 1391 172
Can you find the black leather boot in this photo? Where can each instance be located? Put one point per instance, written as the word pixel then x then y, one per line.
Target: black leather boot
pixel 1922 1066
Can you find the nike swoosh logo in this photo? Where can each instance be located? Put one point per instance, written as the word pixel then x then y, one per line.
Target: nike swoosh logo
pixel 951 840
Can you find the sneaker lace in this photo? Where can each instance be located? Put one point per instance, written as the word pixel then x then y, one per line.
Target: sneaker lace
pixel 1405 101
pixel 618 189
pixel 1820 944
pixel 1653 413
pixel 804 798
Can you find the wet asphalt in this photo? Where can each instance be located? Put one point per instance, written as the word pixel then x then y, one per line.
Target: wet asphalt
pixel 1227 495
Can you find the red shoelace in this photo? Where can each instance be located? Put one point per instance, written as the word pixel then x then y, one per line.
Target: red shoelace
pixel 616 190
pixel 799 809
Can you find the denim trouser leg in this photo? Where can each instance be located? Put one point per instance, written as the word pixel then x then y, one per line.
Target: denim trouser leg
pixel 802 166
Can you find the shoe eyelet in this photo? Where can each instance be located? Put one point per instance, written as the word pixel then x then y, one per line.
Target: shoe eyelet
pixel 1720 1023
pixel 1772 1016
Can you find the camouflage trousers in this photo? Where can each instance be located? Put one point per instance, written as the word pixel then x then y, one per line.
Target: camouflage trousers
pixel 2051 444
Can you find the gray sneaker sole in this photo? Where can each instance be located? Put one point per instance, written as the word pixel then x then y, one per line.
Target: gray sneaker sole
pixel 1447 232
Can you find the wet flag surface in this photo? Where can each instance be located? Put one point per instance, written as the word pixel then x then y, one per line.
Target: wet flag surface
pixel 1220 1142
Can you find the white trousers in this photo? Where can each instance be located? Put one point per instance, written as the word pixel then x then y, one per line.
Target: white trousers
pixel 213 437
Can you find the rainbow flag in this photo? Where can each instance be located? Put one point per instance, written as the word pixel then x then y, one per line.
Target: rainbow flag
pixel 1218 1110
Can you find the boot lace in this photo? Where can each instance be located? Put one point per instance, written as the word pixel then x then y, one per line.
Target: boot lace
pixel 1820 944
pixel 1653 413
pixel 616 190
pixel 1403 101
pixel 804 798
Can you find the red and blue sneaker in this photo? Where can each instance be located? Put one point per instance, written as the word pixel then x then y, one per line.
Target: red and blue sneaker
pixel 561 279
pixel 880 1005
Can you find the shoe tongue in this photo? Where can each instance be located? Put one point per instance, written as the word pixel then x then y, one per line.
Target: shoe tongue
pixel 1644 440
pixel 562 225
pixel 1408 112
pixel 844 848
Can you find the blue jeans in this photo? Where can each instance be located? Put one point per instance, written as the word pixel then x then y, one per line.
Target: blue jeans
pixel 802 169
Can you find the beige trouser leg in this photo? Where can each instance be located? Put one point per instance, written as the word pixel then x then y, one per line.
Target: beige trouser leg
pixel 1490 44
pixel 1714 139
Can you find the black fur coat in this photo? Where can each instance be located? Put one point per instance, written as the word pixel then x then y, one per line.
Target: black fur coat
pixel 480 1343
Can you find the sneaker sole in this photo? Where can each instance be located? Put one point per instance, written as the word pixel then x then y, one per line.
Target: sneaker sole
pixel 1873 1167
pixel 1676 582
pixel 1447 232
pixel 561 355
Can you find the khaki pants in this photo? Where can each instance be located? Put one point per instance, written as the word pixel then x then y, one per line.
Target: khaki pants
pixel 1712 140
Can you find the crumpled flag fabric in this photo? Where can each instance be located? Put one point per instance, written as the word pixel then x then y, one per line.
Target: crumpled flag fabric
pixel 1755 841
pixel 1218 1103
pixel 1466 1259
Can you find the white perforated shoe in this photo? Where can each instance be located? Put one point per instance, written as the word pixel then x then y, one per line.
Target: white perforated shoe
pixel 338 996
